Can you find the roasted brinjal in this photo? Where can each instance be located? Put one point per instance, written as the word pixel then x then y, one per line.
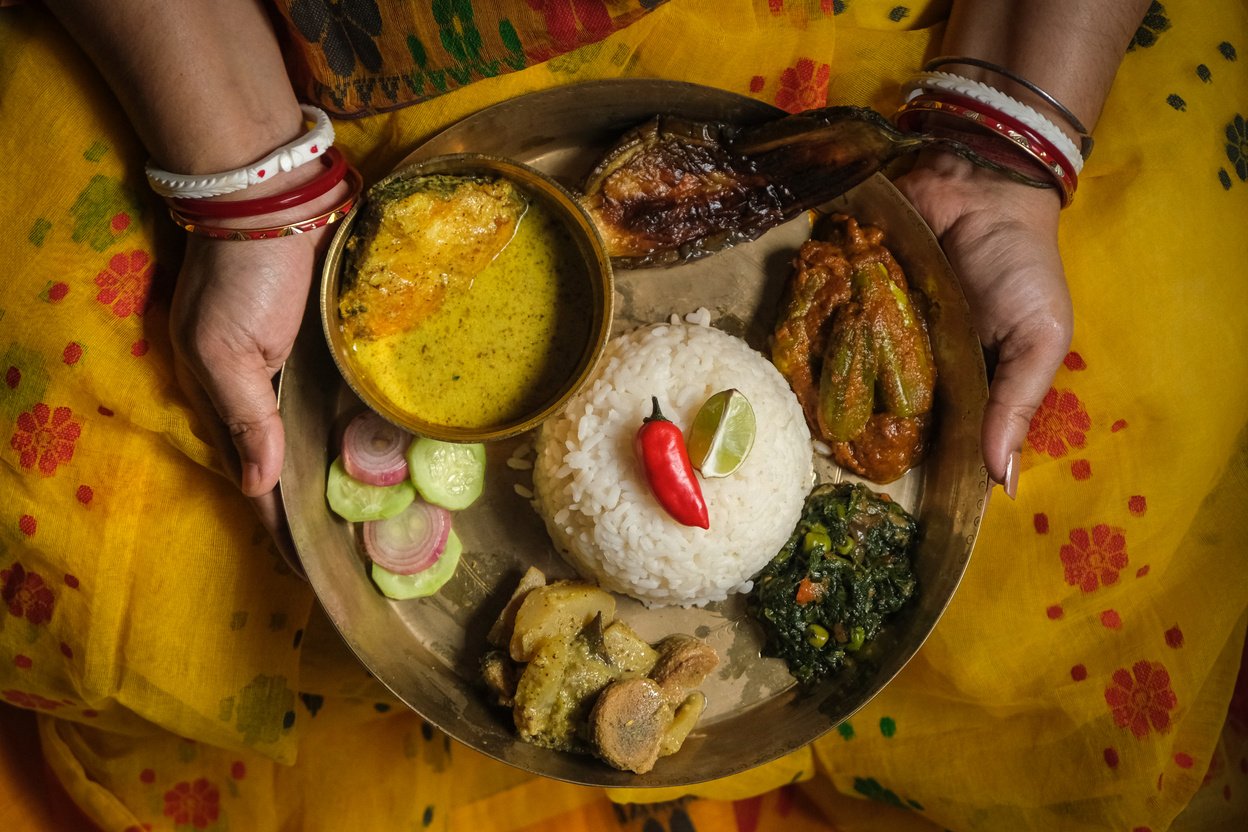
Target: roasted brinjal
pixel 673 189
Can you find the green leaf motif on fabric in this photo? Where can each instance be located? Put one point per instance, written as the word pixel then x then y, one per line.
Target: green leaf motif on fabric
pixel 238 619
pixel 39 232
pixel 515 50
pixel 578 59
pixel 24 380
pixel 888 727
pixel 870 788
pixel 845 730
pixel 415 81
pixel 104 213
pixel 1155 22
pixel 898 13
pixel 1227 51
pixel 457 29
pixel 460 37
pixel 97 151
pixel 264 709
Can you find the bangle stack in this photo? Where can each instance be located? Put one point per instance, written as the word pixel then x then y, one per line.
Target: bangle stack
pixel 193 223
pixel 193 208
pixel 1031 142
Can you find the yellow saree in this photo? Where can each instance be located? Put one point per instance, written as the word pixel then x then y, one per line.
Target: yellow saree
pixel 1081 679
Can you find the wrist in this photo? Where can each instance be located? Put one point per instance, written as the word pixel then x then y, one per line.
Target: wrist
pixel 943 182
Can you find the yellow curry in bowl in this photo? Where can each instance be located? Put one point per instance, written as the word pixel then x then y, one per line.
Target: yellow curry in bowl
pixel 468 299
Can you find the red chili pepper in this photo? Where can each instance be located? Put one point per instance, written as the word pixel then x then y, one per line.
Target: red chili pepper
pixel 661 448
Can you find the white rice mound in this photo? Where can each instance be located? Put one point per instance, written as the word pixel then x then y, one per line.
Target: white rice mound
pixel 592 494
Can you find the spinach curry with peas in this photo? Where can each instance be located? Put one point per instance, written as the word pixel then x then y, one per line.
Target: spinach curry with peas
pixel 844 570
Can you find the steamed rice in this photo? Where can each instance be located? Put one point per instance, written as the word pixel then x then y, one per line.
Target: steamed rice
pixel 593 496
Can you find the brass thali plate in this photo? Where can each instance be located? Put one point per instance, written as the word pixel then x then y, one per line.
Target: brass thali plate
pixel 426 651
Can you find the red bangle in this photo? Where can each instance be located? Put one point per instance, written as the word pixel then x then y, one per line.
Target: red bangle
pixel 976 112
pixel 335 169
pixel 217 232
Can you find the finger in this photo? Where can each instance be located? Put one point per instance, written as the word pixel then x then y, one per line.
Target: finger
pixel 241 389
pixel 209 422
pixel 1023 375
pixel 273 516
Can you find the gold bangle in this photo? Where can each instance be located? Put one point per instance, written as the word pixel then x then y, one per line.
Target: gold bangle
pixel 218 232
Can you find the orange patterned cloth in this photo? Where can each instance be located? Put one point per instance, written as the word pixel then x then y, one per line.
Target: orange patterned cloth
pixel 1080 679
pixel 353 58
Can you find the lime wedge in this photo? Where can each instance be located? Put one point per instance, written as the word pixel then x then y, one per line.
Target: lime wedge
pixel 722 434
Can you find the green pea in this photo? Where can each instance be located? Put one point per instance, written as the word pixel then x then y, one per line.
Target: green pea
pixel 816 636
pixel 856 637
pixel 815 538
pixel 845 546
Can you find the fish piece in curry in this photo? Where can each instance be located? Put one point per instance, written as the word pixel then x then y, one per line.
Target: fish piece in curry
pixel 418 239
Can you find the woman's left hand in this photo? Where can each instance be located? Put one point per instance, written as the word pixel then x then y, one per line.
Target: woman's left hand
pixel 1001 240
pixel 236 311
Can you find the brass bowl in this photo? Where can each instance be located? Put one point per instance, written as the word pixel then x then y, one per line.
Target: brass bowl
pixel 597 271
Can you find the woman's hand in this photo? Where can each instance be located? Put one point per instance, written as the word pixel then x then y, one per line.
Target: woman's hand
pixel 1001 239
pixel 236 311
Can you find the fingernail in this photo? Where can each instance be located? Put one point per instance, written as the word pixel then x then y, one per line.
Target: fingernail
pixel 251 478
pixel 1011 475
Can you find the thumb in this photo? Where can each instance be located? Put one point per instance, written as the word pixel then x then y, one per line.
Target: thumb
pixel 242 394
pixel 1020 381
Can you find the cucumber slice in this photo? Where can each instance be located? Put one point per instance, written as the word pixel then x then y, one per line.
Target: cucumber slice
pixel 447 474
pixel 423 583
pixel 357 501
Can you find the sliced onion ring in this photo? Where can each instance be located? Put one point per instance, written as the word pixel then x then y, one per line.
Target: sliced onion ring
pixel 374 451
pixel 411 541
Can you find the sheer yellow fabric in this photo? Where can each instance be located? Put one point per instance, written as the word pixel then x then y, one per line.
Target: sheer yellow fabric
pixel 1080 680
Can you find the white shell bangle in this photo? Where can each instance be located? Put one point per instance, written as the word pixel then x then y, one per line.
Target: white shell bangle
pixel 286 158
pixel 993 97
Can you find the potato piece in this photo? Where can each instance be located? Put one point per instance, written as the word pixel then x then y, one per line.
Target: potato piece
pixel 687 714
pixel 500 633
pixel 539 688
pixel 558 611
pixel 627 651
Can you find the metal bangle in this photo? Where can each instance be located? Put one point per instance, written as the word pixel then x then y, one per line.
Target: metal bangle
pixel 1085 136
pixel 217 232
pixel 1017 135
